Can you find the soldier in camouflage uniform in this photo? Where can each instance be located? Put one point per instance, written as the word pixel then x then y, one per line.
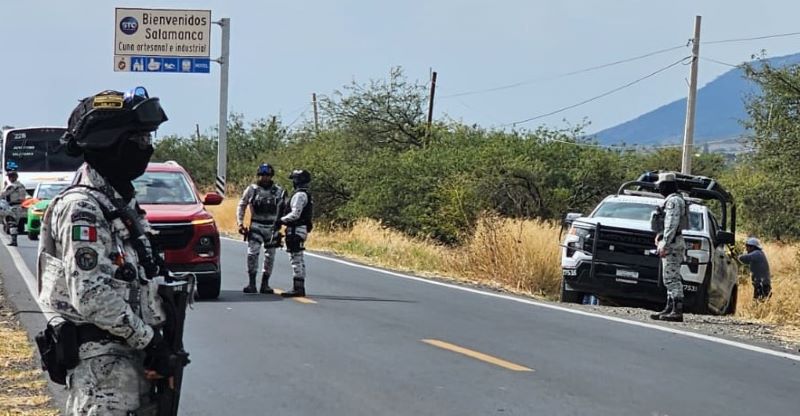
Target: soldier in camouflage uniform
pixel 671 247
pixel 266 200
pixel 89 272
pixel 14 194
pixel 298 225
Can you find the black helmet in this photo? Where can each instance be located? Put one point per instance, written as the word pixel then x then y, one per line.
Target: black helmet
pixel 265 169
pixel 300 178
pixel 100 121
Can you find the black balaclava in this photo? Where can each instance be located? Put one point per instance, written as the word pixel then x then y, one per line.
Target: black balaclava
pixel 667 188
pixel 264 181
pixel 121 164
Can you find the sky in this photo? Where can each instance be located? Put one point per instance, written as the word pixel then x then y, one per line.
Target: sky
pixel 56 52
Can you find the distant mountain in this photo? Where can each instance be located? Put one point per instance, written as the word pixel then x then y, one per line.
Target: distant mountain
pixel 720 108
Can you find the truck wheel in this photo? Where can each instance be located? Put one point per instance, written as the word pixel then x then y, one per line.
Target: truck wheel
pixel 32 236
pixel 731 308
pixel 570 296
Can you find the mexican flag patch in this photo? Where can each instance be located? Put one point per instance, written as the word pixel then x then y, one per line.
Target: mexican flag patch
pixel 84 233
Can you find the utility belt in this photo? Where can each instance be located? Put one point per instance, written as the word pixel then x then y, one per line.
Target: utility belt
pixel 59 344
pixel 265 223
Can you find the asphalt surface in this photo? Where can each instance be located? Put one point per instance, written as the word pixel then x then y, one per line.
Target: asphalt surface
pixel 372 343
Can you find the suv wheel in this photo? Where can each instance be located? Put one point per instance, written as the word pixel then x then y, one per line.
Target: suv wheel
pixel 209 289
pixel 570 296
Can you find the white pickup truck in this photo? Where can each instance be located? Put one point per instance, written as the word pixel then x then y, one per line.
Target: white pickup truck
pixel 610 253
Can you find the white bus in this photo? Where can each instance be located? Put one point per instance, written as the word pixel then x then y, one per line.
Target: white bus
pixel 37 155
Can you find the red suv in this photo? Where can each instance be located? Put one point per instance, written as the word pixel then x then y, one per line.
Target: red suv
pixel 187 234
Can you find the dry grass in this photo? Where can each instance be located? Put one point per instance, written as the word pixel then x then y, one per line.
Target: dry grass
pixel 23 389
pixel 784 305
pixel 520 256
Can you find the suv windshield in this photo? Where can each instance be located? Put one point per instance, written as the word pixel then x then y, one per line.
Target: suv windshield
pixel 639 212
pixel 164 188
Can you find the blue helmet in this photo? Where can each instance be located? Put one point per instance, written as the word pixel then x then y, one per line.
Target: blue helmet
pixel 265 169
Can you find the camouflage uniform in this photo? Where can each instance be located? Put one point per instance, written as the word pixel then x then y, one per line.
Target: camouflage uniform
pixel 675 220
pixel 14 193
pixel 79 253
pixel 298 225
pixel 266 206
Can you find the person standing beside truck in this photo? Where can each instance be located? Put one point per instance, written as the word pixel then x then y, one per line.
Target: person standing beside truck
pixel 671 247
pixel 759 268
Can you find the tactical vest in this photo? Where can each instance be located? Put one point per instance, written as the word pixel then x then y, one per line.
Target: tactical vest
pixel 657 219
pixel 306 216
pixel 266 203
pixel 142 298
pixel 16 193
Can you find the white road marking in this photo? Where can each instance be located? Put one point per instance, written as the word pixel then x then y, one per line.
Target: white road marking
pixel 735 344
pixel 29 278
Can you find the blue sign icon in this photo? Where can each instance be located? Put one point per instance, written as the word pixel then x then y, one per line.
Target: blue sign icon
pixel 138 63
pixel 201 65
pixel 170 64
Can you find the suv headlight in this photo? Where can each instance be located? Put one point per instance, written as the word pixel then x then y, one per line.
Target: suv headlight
pixel 581 233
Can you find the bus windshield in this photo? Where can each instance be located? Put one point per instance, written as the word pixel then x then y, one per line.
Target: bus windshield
pixel 38 150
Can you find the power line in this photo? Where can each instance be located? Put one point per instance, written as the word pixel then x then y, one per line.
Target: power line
pixel 607 93
pixel 779 35
pixel 567 74
pixel 719 62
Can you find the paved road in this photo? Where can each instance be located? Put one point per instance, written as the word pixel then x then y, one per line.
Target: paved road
pixel 378 344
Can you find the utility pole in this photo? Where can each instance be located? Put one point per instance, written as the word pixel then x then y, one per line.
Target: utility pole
pixel 197 130
pixel 430 104
pixel 222 145
pixel 688 132
pixel 316 114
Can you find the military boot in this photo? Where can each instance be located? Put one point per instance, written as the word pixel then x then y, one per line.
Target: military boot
pixel 667 309
pixel 265 289
pixel 676 314
pixel 298 290
pixel 251 288
pixel 13 242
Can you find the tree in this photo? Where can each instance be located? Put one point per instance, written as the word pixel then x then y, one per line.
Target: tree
pixel 769 192
pixel 381 113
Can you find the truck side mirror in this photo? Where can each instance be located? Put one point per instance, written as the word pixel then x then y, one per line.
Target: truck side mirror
pixel 571 217
pixel 724 237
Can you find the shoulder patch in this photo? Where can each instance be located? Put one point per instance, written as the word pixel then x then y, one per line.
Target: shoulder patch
pixel 83 216
pixel 84 233
pixel 86 258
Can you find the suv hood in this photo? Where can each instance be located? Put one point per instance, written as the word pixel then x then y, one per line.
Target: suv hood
pixel 174 213
pixel 615 222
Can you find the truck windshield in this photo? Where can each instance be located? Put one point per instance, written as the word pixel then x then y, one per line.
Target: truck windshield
pixel 639 212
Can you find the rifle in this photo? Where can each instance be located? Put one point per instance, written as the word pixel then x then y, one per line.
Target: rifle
pixel 176 294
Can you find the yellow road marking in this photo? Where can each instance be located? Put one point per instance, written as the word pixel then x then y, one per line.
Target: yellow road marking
pixel 476 355
pixel 301 300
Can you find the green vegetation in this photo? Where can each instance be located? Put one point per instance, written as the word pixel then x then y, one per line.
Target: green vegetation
pixel 374 157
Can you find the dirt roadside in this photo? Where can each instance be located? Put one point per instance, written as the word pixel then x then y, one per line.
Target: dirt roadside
pixel 23 386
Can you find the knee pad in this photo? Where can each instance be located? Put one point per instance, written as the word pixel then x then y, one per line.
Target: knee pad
pixel 294 243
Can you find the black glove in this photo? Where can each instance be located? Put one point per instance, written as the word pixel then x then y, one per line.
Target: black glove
pixel 159 356
pixel 242 230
